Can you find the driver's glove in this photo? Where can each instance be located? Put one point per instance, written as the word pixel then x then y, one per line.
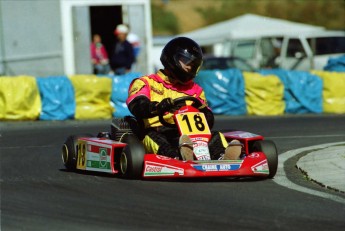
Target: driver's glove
pixel 200 107
pixel 165 105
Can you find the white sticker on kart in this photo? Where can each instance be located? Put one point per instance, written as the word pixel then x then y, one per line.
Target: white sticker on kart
pixel 261 167
pixel 201 151
pixel 244 134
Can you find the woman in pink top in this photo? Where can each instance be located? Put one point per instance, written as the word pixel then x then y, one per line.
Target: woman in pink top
pixel 99 56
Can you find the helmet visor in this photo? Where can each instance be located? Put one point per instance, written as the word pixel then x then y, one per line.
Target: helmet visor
pixel 188 63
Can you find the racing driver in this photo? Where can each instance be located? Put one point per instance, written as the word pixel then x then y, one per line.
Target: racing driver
pixel 153 94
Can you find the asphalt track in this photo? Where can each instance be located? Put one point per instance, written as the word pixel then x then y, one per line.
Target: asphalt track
pixel 38 194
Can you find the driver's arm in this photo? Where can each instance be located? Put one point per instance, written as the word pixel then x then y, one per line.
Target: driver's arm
pixel 142 107
pixel 138 101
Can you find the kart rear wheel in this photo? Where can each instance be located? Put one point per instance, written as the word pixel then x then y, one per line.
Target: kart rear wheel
pixel 69 151
pixel 131 160
pixel 269 148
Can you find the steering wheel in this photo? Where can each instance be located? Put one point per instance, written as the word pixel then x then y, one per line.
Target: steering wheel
pixel 178 103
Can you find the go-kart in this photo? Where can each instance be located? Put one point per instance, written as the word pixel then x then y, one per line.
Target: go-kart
pixel 121 150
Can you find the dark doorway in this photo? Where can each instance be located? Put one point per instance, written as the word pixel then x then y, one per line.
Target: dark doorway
pixel 104 20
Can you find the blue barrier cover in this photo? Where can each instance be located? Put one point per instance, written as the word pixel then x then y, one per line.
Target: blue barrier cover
pixel 336 64
pixel 302 90
pixel 120 92
pixel 224 90
pixel 57 95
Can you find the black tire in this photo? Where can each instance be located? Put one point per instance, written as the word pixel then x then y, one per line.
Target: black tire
pixel 131 159
pixel 269 148
pixel 69 151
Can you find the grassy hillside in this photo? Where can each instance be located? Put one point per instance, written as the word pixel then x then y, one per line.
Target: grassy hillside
pixel 178 16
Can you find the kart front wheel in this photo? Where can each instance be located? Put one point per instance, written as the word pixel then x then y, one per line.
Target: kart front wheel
pixel 131 160
pixel 269 148
pixel 69 151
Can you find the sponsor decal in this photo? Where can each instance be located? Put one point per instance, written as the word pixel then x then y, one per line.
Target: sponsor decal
pixel 163 157
pixel 133 90
pixel 102 157
pixel 155 169
pixel 95 166
pixel 209 167
pixel 98 157
pixel 200 139
pixel 182 111
pixel 203 157
pixel 156 90
pixel 201 150
pixel 254 155
pixel 218 167
pixel 261 167
pixel 201 144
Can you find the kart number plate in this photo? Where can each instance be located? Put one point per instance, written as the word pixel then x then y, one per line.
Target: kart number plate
pixel 192 123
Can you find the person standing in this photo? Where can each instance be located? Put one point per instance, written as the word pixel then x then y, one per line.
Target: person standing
pixel 135 41
pixel 122 56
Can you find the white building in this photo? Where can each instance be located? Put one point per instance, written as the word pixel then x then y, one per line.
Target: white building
pixel 53 37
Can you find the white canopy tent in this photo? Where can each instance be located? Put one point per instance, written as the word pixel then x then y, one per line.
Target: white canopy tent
pixel 248 26
pixel 222 36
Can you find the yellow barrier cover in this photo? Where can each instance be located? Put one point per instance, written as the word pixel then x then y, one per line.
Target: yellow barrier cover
pixel 264 95
pixel 19 98
pixel 92 95
pixel 333 91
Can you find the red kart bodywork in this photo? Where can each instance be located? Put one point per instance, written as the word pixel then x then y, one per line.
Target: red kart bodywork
pixel 122 151
pixel 99 155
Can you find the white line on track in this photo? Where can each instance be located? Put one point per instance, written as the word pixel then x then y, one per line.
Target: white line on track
pixel 281 178
pixel 314 136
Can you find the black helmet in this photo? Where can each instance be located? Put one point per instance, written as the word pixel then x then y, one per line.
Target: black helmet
pixel 182 57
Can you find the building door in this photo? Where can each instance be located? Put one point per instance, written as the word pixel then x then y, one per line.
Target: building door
pixel 80 19
pixel 104 20
pixel 90 20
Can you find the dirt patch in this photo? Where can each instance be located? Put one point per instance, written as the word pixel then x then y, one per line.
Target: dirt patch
pixel 185 11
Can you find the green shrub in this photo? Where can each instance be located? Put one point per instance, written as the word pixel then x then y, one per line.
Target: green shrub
pixel 164 22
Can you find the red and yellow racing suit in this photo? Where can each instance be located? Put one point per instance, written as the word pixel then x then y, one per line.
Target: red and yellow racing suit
pixel 143 96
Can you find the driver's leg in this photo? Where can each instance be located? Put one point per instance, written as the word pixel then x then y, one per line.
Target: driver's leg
pixel 216 146
pixel 186 148
pixel 157 143
pixel 233 150
pixel 221 149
